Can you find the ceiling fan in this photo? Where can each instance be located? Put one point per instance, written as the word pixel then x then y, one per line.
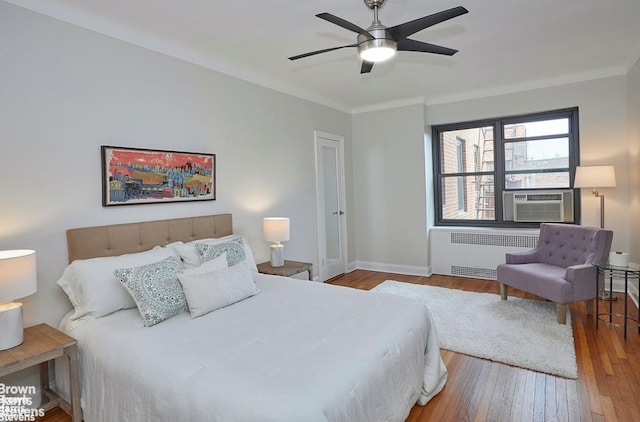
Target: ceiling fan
pixel 378 43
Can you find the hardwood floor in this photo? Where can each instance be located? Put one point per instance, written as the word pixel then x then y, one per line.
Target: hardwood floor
pixel 607 388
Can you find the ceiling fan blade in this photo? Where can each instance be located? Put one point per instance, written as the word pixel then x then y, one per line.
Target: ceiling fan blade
pixel 409 28
pixel 407 44
pixel 344 24
pixel 366 67
pixel 313 53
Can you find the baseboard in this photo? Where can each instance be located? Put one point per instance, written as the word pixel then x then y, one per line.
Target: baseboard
pixel 351 266
pixel 393 268
pixel 632 290
pixel 618 287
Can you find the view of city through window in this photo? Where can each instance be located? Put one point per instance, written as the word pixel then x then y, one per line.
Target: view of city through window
pixel 532 155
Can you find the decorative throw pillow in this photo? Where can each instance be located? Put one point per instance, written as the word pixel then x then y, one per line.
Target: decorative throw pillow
pixel 191 257
pixel 233 248
pixel 93 288
pixel 218 263
pixel 217 289
pixel 155 289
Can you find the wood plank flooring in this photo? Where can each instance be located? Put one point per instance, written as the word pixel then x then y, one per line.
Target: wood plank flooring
pixel 607 388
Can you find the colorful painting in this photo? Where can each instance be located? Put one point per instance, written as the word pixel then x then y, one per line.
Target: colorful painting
pixel 143 176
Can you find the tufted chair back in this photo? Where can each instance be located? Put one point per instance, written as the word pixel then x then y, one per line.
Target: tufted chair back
pixel 564 245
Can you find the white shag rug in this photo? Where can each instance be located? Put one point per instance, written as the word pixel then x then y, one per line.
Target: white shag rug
pixel 518 332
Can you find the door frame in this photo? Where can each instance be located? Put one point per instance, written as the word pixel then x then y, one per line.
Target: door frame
pixel 319 137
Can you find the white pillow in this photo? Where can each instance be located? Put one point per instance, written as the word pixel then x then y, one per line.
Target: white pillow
pixel 94 290
pixel 215 264
pixel 217 289
pixel 191 257
pixel 155 289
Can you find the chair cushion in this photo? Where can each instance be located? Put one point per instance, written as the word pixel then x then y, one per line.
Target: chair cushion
pixel 540 279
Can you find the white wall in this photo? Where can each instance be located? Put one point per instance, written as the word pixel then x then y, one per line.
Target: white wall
pixel 633 92
pixel 65 91
pixel 389 165
pixel 603 114
pixel 389 190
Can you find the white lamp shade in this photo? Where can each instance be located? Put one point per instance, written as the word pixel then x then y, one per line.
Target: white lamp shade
pixel 378 49
pixel 18 274
pixel 377 54
pixel 595 177
pixel 275 229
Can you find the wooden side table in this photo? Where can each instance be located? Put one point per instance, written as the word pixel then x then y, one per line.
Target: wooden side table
pixel 288 269
pixel 43 343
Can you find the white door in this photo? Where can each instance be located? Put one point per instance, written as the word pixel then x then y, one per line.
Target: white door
pixel 332 219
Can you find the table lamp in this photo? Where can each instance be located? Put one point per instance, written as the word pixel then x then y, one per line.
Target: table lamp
pixel 17 279
pixel 276 230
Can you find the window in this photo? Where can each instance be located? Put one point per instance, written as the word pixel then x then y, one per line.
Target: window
pixel 476 163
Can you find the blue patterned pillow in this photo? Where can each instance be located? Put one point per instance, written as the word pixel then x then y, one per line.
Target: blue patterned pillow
pixel 155 289
pixel 233 248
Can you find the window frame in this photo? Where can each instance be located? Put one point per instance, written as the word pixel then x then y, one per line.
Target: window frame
pixel 499 172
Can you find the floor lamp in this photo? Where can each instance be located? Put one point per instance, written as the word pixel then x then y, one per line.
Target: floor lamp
pixel 597 177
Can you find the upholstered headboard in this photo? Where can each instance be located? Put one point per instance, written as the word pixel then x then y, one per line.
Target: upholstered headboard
pixel 118 239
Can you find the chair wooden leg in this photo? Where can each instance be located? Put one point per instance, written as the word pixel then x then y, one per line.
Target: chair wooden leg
pixel 561 312
pixel 503 291
pixel 590 306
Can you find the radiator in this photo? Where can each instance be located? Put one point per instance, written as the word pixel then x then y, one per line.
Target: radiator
pixel 475 252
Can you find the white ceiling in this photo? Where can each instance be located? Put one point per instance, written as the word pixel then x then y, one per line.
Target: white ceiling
pixel 504 45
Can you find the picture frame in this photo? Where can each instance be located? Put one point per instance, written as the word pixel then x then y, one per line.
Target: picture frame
pixel 133 176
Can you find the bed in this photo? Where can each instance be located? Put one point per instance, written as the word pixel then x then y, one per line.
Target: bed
pixel 291 350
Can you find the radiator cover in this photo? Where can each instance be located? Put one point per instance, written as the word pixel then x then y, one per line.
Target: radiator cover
pixel 471 252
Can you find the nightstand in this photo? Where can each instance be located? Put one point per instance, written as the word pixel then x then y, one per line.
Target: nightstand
pixel 288 269
pixel 43 343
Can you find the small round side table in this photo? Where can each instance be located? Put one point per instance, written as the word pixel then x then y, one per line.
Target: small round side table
pixel 629 273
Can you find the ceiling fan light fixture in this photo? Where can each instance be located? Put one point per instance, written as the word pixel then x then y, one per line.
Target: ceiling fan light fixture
pixel 377 50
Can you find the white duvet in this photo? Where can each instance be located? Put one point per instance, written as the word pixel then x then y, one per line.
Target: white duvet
pixel 298 351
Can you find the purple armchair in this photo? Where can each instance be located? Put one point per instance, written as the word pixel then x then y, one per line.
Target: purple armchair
pixel 560 267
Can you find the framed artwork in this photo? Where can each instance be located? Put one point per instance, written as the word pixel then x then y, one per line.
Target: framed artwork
pixel 132 176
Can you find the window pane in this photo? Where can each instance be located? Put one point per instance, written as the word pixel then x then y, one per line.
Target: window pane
pixel 537 155
pixel 468 197
pixel 466 150
pixel 558 179
pixel 476 162
pixel 539 128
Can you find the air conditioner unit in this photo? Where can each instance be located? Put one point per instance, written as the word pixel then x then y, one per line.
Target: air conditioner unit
pixel 538 206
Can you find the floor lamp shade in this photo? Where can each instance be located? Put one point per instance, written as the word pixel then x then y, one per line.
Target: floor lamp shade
pixel 595 177
pixel 276 230
pixel 18 279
